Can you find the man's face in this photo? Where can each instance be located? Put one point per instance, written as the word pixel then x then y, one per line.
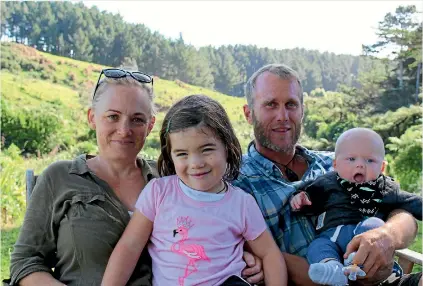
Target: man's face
pixel 277 113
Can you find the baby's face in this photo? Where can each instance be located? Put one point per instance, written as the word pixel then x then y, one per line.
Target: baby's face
pixel 360 159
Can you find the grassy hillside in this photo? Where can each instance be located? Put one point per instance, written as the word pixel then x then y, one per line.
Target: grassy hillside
pixel 32 79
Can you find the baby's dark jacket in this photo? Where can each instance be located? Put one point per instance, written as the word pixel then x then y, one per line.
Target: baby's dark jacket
pixel 327 195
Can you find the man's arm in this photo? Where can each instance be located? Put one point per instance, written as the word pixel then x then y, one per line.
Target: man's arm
pixel 403 227
pixel 375 248
pixel 253 272
pixel 297 270
pixel 274 266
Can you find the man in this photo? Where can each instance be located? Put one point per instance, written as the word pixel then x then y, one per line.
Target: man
pixel 275 163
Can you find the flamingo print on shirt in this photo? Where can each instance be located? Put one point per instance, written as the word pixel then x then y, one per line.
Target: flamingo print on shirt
pixel 193 252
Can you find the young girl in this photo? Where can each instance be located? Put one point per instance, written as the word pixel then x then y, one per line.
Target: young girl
pixel 196 221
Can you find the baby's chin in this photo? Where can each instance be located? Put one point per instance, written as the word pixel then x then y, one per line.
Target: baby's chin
pixel 357 178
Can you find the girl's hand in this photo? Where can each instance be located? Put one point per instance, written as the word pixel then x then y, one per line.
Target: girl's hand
pixel 299 200
pixel 254 270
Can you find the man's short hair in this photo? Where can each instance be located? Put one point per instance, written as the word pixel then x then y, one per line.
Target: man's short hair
pixel 281 70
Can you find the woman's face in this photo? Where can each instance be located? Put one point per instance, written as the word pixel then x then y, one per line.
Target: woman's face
pixel 122 120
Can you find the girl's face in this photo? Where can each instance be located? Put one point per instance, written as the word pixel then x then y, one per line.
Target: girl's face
pixel 122 120
pixel 200 158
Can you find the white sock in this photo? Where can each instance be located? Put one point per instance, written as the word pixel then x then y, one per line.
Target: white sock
pixel 328 273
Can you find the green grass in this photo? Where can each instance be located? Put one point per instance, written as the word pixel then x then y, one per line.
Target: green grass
pixel 20 89
pixel 8 238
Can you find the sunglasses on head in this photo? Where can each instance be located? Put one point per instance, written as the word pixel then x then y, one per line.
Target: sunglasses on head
pixel 119 73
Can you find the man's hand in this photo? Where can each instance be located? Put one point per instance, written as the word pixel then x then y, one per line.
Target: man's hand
pixel 375 250
pixel 300 200
pixel 254 270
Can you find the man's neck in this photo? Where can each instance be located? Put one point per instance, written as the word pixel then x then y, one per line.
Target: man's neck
pixel 280 157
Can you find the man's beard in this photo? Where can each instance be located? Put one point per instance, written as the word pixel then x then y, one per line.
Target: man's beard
pixel 263 140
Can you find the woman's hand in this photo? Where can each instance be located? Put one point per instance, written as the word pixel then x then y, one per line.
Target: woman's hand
pixel 254 270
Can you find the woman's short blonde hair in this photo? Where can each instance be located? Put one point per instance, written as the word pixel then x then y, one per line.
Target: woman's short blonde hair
pixel 126 81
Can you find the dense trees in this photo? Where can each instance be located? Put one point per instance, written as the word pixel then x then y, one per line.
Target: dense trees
pixel 87 34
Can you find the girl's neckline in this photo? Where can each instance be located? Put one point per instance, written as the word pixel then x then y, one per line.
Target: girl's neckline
pixel 224 196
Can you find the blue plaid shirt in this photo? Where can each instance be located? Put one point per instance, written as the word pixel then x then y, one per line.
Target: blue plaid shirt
pixel 262 178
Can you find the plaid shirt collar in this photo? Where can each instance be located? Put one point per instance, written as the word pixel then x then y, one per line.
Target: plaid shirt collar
pixel 269 167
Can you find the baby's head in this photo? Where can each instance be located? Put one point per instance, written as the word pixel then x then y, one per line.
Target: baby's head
pixel 198 143
pixel 359 155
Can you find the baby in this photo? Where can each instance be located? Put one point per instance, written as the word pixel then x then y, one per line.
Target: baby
pixel 348 201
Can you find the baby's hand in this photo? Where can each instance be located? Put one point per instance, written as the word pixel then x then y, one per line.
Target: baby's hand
pixel 300 200
pixel 353 271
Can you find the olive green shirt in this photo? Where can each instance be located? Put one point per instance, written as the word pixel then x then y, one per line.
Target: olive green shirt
pixel 72 223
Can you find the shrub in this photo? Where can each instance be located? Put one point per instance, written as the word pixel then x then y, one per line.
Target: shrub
pixel 30 129
pixel 12 185
pixel 406 161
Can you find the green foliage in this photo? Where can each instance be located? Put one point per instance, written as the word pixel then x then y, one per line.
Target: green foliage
pixel 395 29
pixel 36 114
pixel 407 163
pixel 31 129
pixel 8 239
pixel 394 123
pixel 326 117
pixel 401 32
pixel 86 147
pixel 12 182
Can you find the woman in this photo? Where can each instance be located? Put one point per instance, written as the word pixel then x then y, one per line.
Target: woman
pixel 79 208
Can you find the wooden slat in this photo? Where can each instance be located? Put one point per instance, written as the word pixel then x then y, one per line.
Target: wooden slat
pixel 407 258
pixel 410 255
pixel 30 182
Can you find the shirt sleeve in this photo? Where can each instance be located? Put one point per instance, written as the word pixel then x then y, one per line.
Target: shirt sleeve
pixel 395 198
pixel 148 199
pixel 36 244
pixel 254 221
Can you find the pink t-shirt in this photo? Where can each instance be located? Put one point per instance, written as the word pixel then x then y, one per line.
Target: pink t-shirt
pixel 194 242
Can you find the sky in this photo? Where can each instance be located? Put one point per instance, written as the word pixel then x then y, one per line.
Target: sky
pixel 334 26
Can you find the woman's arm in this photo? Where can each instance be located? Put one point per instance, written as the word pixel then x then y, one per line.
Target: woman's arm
pixel 274 267
pixel 36 241
pixel 40 278
pixel 128 250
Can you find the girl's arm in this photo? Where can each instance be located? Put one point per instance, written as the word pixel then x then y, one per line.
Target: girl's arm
pixel 275 273
pixel 128 250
